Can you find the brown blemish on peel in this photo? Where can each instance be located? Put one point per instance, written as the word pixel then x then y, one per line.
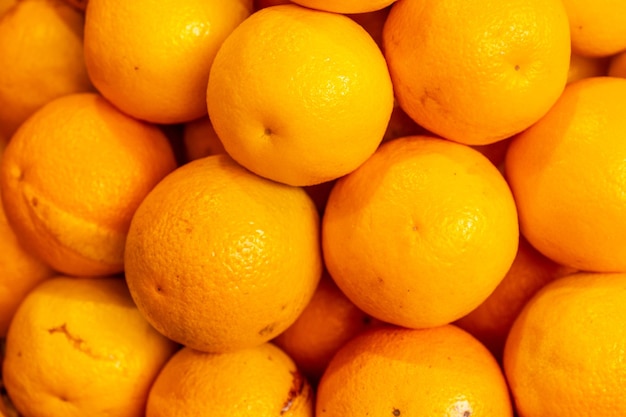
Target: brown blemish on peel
pixel 299 389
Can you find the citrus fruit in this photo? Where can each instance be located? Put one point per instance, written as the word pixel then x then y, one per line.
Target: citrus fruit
pixel 585 66
pixel 73 175
pixel 421 233
pixel 200 139
pixel 477 71
pixel 258 381
pixel 565 352
pixel 387 371
pixel 299 96
pixel 219 258
pixel 346 6
pixel 79 347
pixel 566 174
pixel 41 50
pixel 152 58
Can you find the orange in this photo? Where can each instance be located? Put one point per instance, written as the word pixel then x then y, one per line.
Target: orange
pixel 565 352
pixel 79 347
pixel 477 71
pixel 441 371
pixel 218 258
pixel 373 22
pixel 598 28
pixel 567 176
pixel 79 4
pixel 346 6
pixel 21 272
pixel 490 322
pixel 41 48
pixel 617 65
pixel 327 323
pixel 299 96
pixel 584 67
pixel 73 175
pixel 152 59
pixel 260 381
pixel 5 5
pixel 261 4
pixel 200 139
pixel 421 233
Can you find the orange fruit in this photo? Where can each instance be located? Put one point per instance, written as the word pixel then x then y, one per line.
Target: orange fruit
pixel 597 28
pixel 329 320
pixel 441 371
pixel 585 66
pixel 299 96
pixel 373 22
pixel 617 65
pixel 152 59
pixel 259 381
pixel 21 272
pixel 5 5
pixel 79 4
pixel 79 347
pixel 566 174
pixel 565 352
pixel 41 48
pixel 477 71
pixel 421 233
pixel 345 6
pixel 73 175
pixel 218 258
pixel 200 139
pixel 261 4
pixel 490 322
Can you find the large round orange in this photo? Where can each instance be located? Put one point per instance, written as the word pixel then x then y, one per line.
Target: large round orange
pixel 490 322
pixel 73 175
pixel 421 233
pixel 41 50
pixel 152 58
pixel 79 347
pixel 298 95
pixel 565 352
pixel 567 175
pixel 261 381
pixel 218 258
pixel 477 71
pixel 396 372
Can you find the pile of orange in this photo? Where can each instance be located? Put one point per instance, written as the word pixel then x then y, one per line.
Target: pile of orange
pixel 312 208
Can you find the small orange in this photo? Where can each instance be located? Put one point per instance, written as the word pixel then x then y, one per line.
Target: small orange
pixel 421 233
pixel 346 6
pixel 327 323
pixel 598 28
pixel 260 381
pixel 72 176
pixel 218 258
pixel 387 371
pixel 299 96
pixel 41 50
pixel 152 59
pixel 477 71
pixel 79 347
pixel 565 352
pixel 585 66
pixel 200 139
pixel 567 176
pixel 490 322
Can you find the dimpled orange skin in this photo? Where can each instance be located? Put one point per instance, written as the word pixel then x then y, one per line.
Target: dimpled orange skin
pixel 442 371
pixel 73 175
pixel 78 347
pixel 298 95
pixel 152 59
pixel 477 71
pixel 421 233
pixel 218 258
pixel 565 352
pixel 261 381
pixel 346 6
pixel 567 175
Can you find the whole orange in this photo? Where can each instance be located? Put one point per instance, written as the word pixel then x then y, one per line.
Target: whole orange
pixel 565 352
pixel 72 176
pixel 219 258
pixel 387 371
pixel 477 71
pixel 421 233
pixel 299 96
pixel 567 176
